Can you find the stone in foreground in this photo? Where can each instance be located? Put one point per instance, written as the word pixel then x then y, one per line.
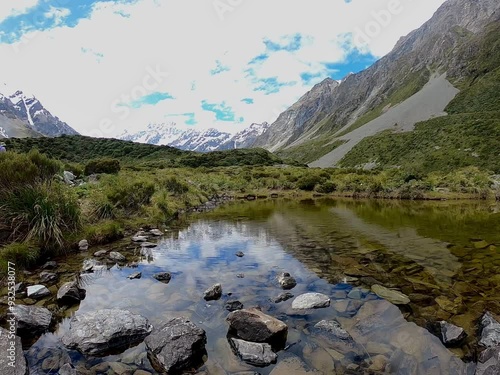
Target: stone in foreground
pixel 310 301
pixel 253 325
pixel 17 364
pixel 213 293
pixel 32 319
pixel 70 293
pixel 293 366
pixel 490 335
pixel 392 296
pixel 254 353
pixel 489 362
pixel 37 291
pixel 101 332
pixel 177 345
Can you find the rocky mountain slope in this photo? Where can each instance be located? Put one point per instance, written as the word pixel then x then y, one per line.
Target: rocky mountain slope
pixel 430 51
pixel 193 139
pixel 24 116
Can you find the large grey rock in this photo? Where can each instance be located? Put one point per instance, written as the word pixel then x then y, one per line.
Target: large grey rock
pixel 12 360
pixel 489 362
pixel 286 281
pixel 451 334
pixel 116 256
pixel 100 332
pixel 213 293
pixel 338 338
pixel 139 239
pixel 254 325
pixel 32 319
pixel 70 293
pixel 48 277
pixel 177 345
pixel 93 265
pixel 69 177
pixel 156 232
pixel 254 353
pixel 490 335
pixel 164 277
pixel 310 301
pixel 392 296
pixel 37 291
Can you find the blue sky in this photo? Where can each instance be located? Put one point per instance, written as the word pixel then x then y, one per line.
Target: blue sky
pixel 203 63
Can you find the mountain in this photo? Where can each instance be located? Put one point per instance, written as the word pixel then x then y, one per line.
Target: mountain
pixel 24 116
pixel 195 140
pixel 245 138
pixel 415 82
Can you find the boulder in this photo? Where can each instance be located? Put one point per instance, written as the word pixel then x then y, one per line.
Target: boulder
pixel 92 265
pixel 490 334
pixel 451 334
pixel 177 345
pixel 310 301
pixel 139 239
pixel 37 291
pixel 253 353
pixel 83 245
pixel 489 362
pixel 164 277
pixel 285 296
pixel 32 319
pixel 390 295
pixel 213 293
pixel 233 305
pixel 12 360
pixel 156 232
pixel 68 177
pixel 48 277
pixel 100 332
pixel 286 281
pixel 70 293
pixel 253 325
pixel 116 256
pixel 100 253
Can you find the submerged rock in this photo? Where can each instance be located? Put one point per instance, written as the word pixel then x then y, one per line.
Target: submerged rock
pixel 286 281
pixel 135 275
pixel 11 363
pixel 233 305
pixel 70 293
pixel 285 296
pixel 164 277
pixel 32 319
pixel 451 334
pixel 48 277
pixel 390 295
pixel 100 332
pixel 257 354
pixel 177 345
pixel 213 293
pixel 338 338
pixel 37 291
pixel 490 334
pixel 293 366
pixel 310 301
pixel 253 325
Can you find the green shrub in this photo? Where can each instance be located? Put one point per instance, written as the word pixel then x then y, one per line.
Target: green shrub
pixel 130 195
pixel 173 185
pixel 104 165
pixel 42 213
pixel 103 233
pixel 308 182
pixel 22 254
pixel 327 187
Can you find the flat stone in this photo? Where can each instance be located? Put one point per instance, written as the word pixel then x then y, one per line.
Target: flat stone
pixel 32 319
pixel 253 325
pixel 139 239
pixel 100 253
pixel 164 277
pixel 99 332
pixel 311 301
pixel 37 291
pixel 148 245
pixel 451 334
pixel 213 293
pixel 177 345
pixel 116 256
pixel 48 277
pixel 256 354
pixel 135 275
pixel 156 232
pixel 390 295
pixel 17 364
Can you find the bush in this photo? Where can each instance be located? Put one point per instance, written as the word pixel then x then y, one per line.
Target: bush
pixel 104 233
pixel 308 182
pixel 130 195
pixel 41 213
pixel 173 185
pixel 327 187
pixel 22 254
pixel 104 165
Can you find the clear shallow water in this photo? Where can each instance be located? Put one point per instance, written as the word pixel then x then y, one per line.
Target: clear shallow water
pixel 421 248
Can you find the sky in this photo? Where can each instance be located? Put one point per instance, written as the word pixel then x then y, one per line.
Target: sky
pixel 106 66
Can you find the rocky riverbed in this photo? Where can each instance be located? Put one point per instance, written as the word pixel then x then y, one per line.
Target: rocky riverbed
pixel 281 299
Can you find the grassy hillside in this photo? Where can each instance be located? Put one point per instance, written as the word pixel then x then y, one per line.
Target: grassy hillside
pixel 310 150
pixel 80 149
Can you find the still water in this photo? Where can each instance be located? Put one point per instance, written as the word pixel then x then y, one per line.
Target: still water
pixel 444 255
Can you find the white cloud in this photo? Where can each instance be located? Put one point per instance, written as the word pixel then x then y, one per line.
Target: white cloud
pixel 186 38
pixel 14 7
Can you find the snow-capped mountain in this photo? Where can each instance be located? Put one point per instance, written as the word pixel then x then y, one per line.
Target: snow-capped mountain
pixel 193 139
pixel 246 137
pixel 23 115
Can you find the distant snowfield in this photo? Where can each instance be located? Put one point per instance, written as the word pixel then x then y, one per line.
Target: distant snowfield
pixel 428 103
